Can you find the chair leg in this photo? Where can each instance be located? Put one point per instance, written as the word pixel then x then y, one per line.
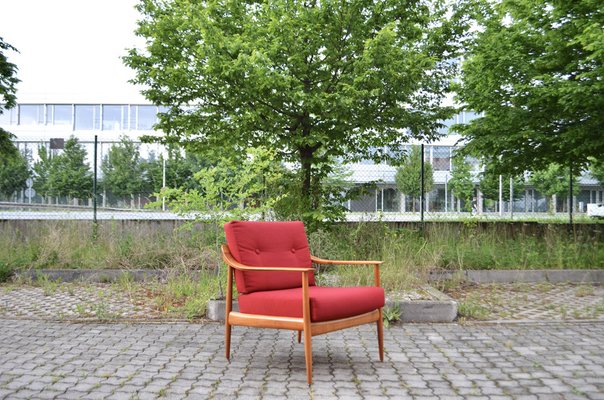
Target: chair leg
pixel 380 333
pixel 299 336
pixel 227 339
pixel 308 354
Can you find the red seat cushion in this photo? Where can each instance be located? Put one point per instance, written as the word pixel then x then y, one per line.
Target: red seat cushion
pixel 268 244
pixel 326 303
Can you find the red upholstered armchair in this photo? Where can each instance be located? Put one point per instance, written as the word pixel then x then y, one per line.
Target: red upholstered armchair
pixel 274 275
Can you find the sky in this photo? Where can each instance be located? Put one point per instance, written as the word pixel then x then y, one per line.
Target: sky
pixel 69 50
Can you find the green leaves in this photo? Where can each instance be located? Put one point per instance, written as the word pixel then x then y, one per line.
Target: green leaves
pixel 232 189
pixel 408 175
pixel 8 78
pixel 70 175
pixel 14 171
pixel 123 169
pixel 535 72
pixel 64 174
pixel 315 82
pixel 8 98
pixel 461 182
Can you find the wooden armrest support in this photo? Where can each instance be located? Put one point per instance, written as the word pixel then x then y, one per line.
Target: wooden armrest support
pixel 341 262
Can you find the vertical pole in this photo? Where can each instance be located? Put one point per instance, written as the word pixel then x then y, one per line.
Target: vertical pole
pixel 446 195
pixel 570 193
pixel 163 184
pixel 94 184
pixel 511 197
pixel 421 205
pixel 500 195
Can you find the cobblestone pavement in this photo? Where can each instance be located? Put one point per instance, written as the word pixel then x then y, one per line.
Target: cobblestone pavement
pixel 73 302
pixel 530 301
pixel 63 360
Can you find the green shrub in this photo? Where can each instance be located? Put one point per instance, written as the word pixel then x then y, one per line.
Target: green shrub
pixel 6 272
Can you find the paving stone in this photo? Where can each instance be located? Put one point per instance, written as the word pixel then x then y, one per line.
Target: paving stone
pixel 438 361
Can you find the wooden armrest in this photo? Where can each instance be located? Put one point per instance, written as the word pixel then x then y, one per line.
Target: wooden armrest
pixel 376 265
pixel 228 258
pixel 350 262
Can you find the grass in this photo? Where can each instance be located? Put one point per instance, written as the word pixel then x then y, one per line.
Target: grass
pixel 183 294
pixel 409 253
pixel 391 314
pixel 472 309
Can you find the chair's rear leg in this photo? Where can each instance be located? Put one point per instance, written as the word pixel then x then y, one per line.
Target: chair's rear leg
pixel 380 333
pixel 299 336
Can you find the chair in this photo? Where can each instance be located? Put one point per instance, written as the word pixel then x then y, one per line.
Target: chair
pixel 274 275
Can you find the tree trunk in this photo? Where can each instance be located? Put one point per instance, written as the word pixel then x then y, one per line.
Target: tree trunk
pixel 309 195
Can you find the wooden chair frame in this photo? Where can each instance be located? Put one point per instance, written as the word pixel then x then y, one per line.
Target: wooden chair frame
pixel 302 325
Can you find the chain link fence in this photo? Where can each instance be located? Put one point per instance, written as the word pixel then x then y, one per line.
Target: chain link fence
pixel 382 200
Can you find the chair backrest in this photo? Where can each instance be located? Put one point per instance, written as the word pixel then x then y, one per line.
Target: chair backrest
pixel 268 244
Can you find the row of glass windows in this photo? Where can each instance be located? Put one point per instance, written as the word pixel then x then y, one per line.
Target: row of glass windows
pixel 440 157
pixel 84 116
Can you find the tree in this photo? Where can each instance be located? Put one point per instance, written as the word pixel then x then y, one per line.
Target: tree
pixel 123 169
pixel 596 170
pixel 535 71
pixel 230 189
pixel 179 169
pixel 41 172
pixel 461 182
pixel 14 171
pixel 554 181
pixel 408 175
pixel 8 99
pixel 489 183
pixel 69 174
pixel 315 81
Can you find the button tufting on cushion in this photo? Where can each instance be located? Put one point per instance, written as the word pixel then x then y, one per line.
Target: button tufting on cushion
pixel 269 244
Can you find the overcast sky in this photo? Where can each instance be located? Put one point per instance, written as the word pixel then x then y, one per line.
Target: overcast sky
pixel 69 50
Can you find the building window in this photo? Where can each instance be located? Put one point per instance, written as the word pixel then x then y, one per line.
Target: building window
pixel 59 114
pixel 31 114
pixel 447 125
pixel 388 200
pixel 8 117
pixel 441 158
pixel 142 118
pixel 147 116
pixel 363 204
pixel 115 117
pixel 87 117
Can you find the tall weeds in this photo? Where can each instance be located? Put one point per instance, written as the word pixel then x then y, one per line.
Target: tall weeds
pixel 409 254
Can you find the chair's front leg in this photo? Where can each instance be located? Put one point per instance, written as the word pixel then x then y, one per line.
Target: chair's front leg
pixel 380 321
pixel 229 307
pixel 307 329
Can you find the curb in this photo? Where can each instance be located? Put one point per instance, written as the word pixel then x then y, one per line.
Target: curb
pixel 523 276
pixel 95 275
pixel 443 309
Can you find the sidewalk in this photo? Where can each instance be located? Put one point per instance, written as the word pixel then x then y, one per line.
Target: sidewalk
pixel 138 352
pixel 52 360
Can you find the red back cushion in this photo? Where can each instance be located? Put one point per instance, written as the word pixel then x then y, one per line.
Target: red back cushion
pixel 268 244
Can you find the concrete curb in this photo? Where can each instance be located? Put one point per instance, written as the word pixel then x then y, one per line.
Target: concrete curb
pixel 443 309
pixel 476 276
pixel 92 275
pixel 524 276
